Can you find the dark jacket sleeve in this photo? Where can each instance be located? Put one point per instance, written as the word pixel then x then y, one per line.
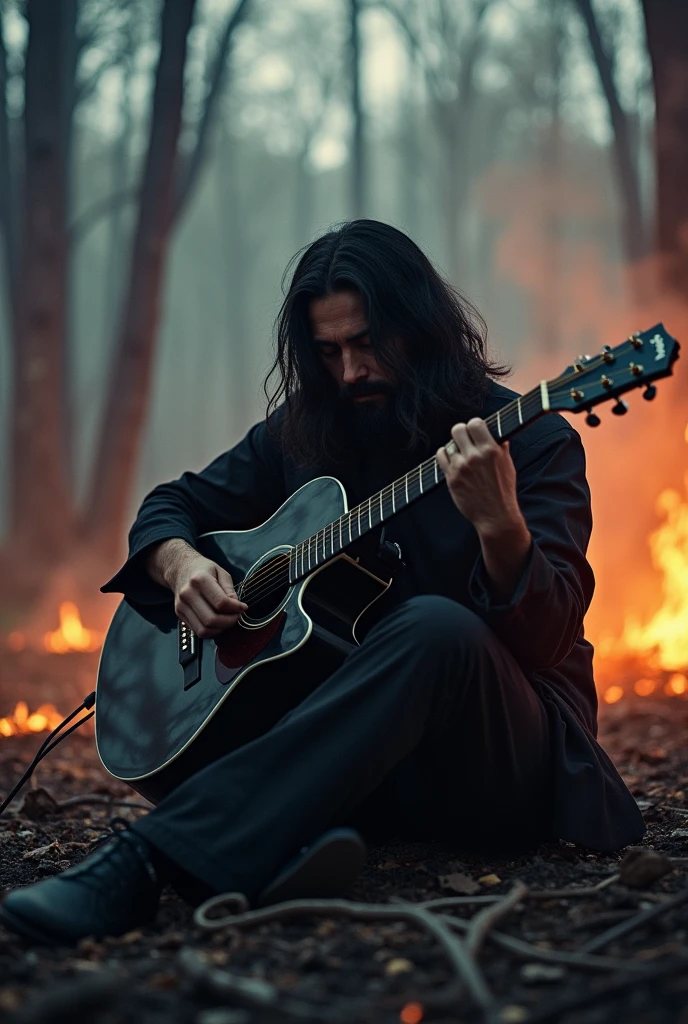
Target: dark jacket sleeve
pixel 544 617
pixel 237 491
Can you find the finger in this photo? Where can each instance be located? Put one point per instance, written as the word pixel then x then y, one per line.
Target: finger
pixel 443 461
pixel 225 581
pixel 205 615
pixel 217 597
pixel 463 440
pixel 479 432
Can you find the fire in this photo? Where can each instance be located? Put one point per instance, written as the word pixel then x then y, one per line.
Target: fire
pixel 661 642
pixel 71 636
pixel 664 639
pixel 20 722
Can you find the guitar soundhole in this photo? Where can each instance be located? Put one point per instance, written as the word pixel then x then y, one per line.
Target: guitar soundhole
pixel 266 587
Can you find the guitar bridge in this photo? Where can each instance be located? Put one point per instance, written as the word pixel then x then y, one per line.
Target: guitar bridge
pixel 190 648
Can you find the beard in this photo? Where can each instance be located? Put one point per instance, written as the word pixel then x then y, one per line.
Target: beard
pixel 370 424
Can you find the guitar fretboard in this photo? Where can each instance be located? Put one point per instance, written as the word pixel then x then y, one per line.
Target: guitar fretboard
pixel 338 535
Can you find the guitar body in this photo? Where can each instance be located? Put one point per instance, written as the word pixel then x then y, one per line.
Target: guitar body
pixel 154 727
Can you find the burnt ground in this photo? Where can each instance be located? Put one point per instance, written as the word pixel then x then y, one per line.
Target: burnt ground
pixel 328 968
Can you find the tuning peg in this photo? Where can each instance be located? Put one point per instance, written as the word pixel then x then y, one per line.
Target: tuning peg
pixel 649 392
pixel 620 409
pixel 592 419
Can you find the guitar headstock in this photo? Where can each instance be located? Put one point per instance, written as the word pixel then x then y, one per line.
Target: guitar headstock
pixel 637 362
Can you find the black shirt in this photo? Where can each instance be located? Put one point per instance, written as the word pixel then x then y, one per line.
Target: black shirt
pixel 542 623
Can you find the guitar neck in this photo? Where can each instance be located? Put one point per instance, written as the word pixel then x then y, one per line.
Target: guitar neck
pixel 381 506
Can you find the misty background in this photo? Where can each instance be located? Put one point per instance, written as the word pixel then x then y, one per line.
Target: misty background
pixel 514 140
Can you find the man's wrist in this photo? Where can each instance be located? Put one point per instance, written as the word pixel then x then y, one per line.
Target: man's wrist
pixel 505 548
pixel 164 559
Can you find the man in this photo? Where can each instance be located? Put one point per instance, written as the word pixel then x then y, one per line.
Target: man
pixel 469 711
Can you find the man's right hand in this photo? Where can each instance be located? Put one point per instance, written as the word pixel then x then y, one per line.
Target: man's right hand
pixel 204 594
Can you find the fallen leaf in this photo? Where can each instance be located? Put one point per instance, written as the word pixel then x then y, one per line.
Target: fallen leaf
pixel 513 1014
pixel 38 804
pixel 398 965
pixel 536 974
pixel 641 867
pixel 490 880
pixel 163 980
pixel 40 851
pixel 458 882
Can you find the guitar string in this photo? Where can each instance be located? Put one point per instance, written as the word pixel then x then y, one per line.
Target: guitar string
pixel 264 576
pixel 254 586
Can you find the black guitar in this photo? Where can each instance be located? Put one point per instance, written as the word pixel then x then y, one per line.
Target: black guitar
pixel 168 703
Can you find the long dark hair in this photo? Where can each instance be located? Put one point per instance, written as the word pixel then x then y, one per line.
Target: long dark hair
pixel 441 375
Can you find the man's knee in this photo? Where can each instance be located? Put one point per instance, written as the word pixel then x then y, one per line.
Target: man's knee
pixel 441 624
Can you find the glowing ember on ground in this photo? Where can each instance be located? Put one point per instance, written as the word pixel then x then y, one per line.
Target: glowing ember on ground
pixel 71 636
pixel 21 721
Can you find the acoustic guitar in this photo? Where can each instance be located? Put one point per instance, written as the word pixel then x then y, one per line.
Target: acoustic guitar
pixel 168 703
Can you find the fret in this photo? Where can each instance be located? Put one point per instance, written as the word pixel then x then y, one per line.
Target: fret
pixel 437 480
pixel 370 513
pixel 520 414
pixel 382 515
pixel 340 533
pixel 544 395
pixel 331 538
pixel 394 507
pixel 349 518
pixel 420 478
pixel 309 554
pixel 499 423
pixel 359 519
pixel 406 480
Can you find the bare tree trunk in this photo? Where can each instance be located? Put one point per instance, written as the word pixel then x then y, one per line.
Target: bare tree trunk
pixel 42 516
pixel 9 199
pixel 358 175
pixel 667 37
pixel 549 312
pixel 634 234
pixel 128 397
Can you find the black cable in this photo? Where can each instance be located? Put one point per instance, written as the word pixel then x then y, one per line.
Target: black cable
pixel 50 743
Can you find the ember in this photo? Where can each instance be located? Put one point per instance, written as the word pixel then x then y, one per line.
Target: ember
pixel 71 636
pixel 20 722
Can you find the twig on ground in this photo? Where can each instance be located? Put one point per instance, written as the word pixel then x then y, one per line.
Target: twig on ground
pixel 594 996
pixel 526 951
pixel 637 921
pixel 466 971
pixel 449 902
pixel 482 923
pixel 96 798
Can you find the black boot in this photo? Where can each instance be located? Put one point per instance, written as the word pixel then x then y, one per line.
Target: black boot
pixel 112 891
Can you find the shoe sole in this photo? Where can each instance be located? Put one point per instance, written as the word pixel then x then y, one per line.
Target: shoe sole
pixel 325 871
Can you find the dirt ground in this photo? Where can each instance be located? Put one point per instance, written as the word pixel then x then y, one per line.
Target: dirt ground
pixel 326 967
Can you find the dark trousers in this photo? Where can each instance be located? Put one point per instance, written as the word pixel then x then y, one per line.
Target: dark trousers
pixel 428 730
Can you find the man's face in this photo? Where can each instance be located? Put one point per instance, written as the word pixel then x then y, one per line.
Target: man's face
pixel 339 328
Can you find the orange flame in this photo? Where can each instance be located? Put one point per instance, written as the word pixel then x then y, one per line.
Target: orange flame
pixel 71 636
pixel 662 642
pixel 20 722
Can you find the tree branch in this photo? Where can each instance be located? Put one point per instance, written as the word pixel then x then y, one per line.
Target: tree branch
pixel 187 174
pixel 83 224
pixel 633 228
